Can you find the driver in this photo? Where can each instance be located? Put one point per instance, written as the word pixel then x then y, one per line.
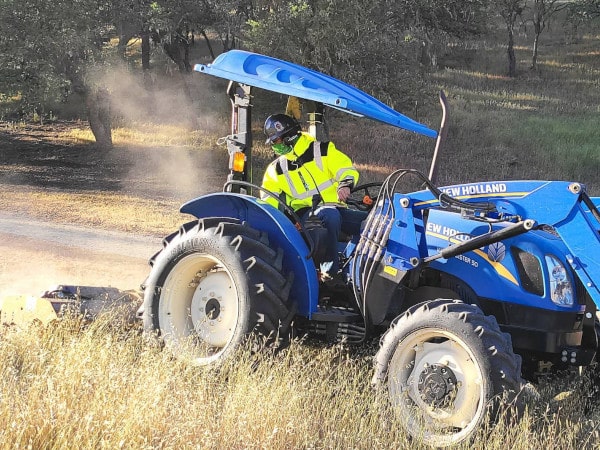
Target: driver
pixel 311 177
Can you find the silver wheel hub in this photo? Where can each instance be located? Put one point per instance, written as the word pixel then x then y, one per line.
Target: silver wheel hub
pixel 436 385
pixel 213 309
pixel 199 307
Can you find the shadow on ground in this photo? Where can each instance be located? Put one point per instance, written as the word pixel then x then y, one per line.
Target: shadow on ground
pixel 33 155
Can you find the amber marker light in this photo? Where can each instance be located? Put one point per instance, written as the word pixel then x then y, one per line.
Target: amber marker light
pixel 239 160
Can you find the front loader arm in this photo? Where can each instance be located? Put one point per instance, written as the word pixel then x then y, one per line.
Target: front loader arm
pixel 564 206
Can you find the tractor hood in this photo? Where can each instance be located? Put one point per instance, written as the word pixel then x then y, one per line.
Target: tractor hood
pixel 275 75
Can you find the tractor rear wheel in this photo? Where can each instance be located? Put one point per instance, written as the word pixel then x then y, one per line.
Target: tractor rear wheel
pixel 216 282
pixel 447 368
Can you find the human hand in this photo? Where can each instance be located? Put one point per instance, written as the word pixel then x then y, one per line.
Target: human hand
pixel 343 193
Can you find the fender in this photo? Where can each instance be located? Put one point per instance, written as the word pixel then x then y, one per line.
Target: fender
pixel 282 233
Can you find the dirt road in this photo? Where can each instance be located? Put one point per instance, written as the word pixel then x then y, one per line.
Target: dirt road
pixel 38 255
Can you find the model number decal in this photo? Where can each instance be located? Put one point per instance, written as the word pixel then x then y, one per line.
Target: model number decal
pixel 467 260
pixel 454 236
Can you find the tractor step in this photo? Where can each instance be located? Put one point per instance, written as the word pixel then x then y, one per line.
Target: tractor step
pixel 334 324
pixel 336 314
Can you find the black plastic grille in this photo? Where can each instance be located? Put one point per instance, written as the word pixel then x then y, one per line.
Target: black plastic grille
pixel 530 271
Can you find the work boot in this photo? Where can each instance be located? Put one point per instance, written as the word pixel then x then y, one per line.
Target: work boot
pixel 336 281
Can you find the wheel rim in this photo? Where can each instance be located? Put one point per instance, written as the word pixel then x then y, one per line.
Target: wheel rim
pixel 199 307
pixel 436 386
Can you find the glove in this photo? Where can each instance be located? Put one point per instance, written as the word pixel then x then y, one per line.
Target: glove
pixel 343 193
pixel 344 188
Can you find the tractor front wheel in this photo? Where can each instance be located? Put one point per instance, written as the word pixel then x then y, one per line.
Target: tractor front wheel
pixel 216 282
pixel 447 367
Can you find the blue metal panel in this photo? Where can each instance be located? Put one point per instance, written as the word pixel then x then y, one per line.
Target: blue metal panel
pixel 554 203
pixel 492 272
pixel 281 231
pixel 287 78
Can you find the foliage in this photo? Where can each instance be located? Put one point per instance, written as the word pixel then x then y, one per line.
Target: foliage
pixel 585 10
pixel 45 47
pixel 351 40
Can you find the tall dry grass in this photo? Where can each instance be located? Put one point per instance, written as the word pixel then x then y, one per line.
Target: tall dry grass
pixel 105 386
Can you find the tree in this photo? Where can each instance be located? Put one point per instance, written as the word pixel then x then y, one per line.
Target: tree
pixel 348 39
pixel 173 24
pixel 435 23
pixel 52 50
pixel 46 50
pixel 542 11
pixel 374 44
pixel 510 11
pixel 581 11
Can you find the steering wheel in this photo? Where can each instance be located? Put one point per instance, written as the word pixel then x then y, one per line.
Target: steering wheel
pixel 365 201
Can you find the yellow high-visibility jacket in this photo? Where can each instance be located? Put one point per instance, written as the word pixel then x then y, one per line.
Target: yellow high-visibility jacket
pixel 312 167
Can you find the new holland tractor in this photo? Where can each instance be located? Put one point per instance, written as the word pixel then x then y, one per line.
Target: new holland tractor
pixel 472 288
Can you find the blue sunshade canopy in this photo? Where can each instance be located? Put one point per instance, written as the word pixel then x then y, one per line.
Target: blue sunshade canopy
pixel 275 75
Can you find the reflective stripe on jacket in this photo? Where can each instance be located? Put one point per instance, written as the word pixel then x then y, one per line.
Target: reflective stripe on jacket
pixel 312 167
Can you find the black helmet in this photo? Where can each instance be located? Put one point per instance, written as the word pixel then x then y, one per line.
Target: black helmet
pixel 281 126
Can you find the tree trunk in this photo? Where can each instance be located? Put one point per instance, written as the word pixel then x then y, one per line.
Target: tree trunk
pixel 210 49
pixel 125 32
pixel 98 106
pixel 145 49
pixel 534 58
pixel 512 60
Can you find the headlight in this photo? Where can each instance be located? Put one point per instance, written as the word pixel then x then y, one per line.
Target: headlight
pixel 561 290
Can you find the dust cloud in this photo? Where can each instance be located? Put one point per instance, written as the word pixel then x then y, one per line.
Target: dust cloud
pixel 32 264
pixel 31 267
pixel 174 103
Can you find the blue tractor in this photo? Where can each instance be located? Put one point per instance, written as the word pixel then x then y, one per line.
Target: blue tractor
pixel 473 288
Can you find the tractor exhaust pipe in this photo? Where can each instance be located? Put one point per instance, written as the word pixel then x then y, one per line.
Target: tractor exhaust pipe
pixel 485 239
pixel 440 139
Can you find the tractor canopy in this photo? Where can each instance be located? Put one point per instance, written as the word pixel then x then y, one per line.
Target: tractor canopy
pixel 275 75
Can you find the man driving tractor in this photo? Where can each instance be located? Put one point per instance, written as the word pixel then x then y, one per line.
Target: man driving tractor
pixel 314 179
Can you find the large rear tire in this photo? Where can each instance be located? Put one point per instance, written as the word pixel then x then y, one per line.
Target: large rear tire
pixel 447 368
pixel 216 282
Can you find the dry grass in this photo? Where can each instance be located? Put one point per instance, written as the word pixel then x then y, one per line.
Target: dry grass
pixel 111 211
pixel 107 387
pixel 535 126
pixel 150 135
